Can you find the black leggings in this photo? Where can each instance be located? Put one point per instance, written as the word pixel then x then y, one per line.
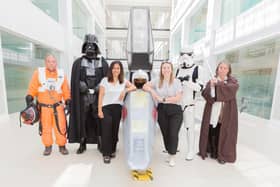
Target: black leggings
pixel 110 128
pixel 170 117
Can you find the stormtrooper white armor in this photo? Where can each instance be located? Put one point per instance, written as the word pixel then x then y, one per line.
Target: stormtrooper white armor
pixel 190 76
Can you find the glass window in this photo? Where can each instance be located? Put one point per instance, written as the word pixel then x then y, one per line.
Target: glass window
pixel 117 18
pixel 232 8
pixel 255 68
pixel 41 52
pixel 20 58
pixel 161 50
pixel 160 19
pixel 17 78
pixel 101 39
pixel 80 20
pixel 247 4
pixel 198 24
pixel 116 48
pixel 176 43
pixel 228 10
pixel 50 7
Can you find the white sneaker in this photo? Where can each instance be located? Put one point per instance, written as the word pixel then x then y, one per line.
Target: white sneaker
pixel 190 156
pixel 171 162
pixel 167 159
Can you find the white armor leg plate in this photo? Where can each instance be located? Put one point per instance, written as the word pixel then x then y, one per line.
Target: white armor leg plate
pixel 189 124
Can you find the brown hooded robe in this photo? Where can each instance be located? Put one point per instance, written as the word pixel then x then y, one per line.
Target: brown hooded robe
pixel 226 93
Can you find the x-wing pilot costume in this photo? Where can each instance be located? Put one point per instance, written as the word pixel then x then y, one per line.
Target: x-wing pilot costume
pixel 51 89
pixel 190 76
pixel 87 72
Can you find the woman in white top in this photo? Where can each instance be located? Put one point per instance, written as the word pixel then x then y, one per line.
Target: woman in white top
pixel 112 91
pixel 167 91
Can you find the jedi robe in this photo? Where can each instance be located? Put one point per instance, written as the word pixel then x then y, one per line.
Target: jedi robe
pixel 226 93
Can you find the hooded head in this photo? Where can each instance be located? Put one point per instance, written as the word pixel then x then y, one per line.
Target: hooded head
pixel 139 78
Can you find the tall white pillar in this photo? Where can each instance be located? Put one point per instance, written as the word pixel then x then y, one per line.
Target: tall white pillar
pixel 65 19
pixel 185 32
pixel 212 23
pixel 275 115
pixel 3 94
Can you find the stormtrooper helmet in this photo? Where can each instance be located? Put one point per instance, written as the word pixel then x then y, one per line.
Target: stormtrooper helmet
pixel 186 61
pixel 187 50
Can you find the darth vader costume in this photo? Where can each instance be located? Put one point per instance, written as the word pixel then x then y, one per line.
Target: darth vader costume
pixel 87 72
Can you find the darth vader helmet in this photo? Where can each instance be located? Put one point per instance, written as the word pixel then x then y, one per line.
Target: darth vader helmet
pixel 90 47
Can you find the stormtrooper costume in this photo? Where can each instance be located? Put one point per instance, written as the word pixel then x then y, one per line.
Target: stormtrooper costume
pixel 190 76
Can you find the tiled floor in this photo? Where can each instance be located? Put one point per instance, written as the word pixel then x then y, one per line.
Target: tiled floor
pixel 22 163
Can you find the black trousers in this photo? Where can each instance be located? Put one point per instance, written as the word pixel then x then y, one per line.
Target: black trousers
pixel 213 140
pixel 110 128
pixel 170 117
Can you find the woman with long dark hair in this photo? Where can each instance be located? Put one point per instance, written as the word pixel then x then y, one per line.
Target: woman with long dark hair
pixel 112 91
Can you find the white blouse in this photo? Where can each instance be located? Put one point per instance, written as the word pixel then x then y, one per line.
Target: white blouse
pixel 112 91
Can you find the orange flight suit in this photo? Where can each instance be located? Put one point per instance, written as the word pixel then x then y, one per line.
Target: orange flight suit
pixel 50 97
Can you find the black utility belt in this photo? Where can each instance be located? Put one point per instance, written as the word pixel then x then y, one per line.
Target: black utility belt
pixel 50 105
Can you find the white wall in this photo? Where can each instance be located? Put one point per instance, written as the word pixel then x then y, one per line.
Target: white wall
pixel 27 21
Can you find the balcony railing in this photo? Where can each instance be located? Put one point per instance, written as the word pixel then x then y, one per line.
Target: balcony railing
pixel 262 16
pixel 12 57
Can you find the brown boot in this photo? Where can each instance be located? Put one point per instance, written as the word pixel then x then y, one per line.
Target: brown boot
pixel 63 150
pixel 47 151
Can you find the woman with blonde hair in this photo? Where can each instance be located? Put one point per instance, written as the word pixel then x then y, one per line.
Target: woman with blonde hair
pixel 167 92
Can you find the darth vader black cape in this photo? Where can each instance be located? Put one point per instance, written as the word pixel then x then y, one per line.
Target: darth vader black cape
pixel 76 129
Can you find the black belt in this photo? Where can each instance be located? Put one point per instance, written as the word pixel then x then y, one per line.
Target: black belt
pixel 49 105
pixel 55 116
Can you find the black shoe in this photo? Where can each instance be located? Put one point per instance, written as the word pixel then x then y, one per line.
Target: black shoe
pixel 82 148
pixel 113 155
pixel 63 150
pixel 221 161
pixel 47 151
pixel 213 155
pixel 107 159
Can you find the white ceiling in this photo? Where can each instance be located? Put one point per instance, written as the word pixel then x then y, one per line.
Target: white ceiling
pixel 129 3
